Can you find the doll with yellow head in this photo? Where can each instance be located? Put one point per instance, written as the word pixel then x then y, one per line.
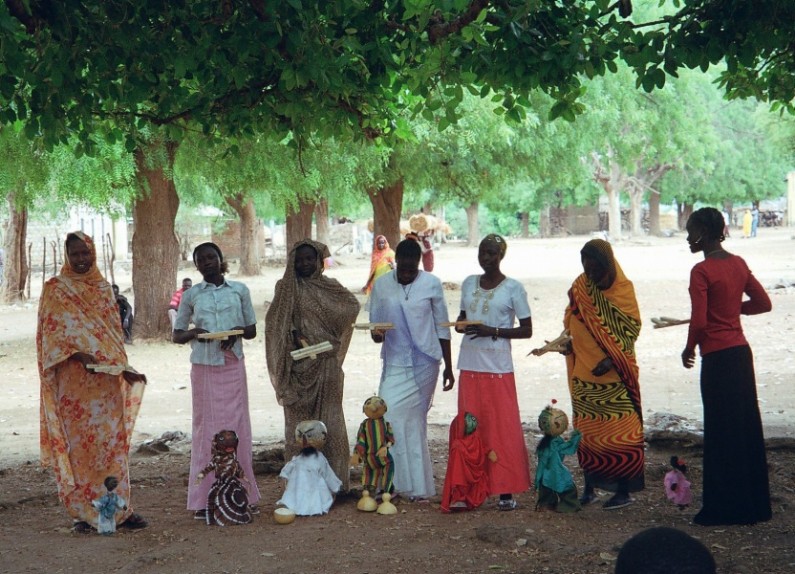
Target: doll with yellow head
pixel 311 482
pixel 372 447
pixel 554 483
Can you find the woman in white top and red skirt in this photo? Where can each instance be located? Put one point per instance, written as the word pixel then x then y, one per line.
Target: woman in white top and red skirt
pixel 486 382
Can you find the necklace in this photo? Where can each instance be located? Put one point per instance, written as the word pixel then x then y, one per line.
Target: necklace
pixel 405 291
pixel 486 294
pixel 711 252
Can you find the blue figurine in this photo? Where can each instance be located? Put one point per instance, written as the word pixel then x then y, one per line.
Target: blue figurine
pixel 107 506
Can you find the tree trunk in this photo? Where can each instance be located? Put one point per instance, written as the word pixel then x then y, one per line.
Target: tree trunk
pixel 154 245
pixel 654 214
pixel 387 204
pixel 473 231
pixel 613 213
pixel 636 211
pixel 249 236
pixel 544 226
pixel 608 174
pixel 15 268
pixel 685 210
pixel 321 222
pixel 299 223
pixel 524 223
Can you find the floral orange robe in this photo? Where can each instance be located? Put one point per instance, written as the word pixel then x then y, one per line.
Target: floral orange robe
pixel 87 419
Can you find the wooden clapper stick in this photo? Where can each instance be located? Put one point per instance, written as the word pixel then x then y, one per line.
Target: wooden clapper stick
pixel 456 324
pixel 374 326
pixel 660 322
pixel 553 346
pixel 311 351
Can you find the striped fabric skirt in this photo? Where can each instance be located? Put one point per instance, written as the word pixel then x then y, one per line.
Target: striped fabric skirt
pixel 611 451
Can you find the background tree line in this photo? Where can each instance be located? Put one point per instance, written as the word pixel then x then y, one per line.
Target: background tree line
pixel 310 107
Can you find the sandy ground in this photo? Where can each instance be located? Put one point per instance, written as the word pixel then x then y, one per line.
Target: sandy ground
pixel 34 528
pixel 659 268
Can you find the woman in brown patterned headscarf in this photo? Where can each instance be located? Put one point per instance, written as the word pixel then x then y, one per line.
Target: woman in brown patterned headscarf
pixel 308 309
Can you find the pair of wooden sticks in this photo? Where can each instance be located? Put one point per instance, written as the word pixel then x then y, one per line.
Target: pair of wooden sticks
pixel 557 345
pixel 387 326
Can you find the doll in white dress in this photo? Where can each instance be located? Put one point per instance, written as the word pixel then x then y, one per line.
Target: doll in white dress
pixel 311 484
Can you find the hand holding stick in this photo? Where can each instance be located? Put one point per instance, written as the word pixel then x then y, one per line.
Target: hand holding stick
pixel 559 345
pixel 660 322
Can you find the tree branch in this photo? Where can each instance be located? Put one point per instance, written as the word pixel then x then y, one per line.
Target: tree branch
pixel 441 30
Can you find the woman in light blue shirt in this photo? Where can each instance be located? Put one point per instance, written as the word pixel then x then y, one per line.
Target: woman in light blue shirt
pixel 218 372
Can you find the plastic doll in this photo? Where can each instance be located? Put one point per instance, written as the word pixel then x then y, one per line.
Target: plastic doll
pixel 465 483
pixel 554 484
pixel 107 506
pixel 311 483
pixel 677 487
pixel 372 447
pixel 227 501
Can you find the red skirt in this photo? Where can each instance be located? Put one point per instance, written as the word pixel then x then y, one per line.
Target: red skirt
pixel 492 399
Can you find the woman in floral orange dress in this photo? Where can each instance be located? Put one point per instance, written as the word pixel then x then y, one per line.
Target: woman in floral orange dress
pixel 87 417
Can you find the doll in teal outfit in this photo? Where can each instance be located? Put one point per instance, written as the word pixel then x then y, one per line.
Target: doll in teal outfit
pixel 554 483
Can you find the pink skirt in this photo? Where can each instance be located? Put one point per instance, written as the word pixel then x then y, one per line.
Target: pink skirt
pixel 492 399
pixel 220 402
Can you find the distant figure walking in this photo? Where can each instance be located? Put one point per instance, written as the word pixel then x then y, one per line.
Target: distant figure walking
pixel 173 305
pixel 125 313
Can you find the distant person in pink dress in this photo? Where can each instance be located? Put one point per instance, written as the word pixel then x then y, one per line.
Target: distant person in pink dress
pixel 735 489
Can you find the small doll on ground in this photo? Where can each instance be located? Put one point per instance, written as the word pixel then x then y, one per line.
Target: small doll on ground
pixel 465 483
pixel 372 448
pixel 107 506
pixel 311 483
pixel 677 487
pixel 227 501
pixel 554 484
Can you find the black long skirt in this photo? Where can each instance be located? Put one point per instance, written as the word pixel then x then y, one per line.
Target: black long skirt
pixel 735 489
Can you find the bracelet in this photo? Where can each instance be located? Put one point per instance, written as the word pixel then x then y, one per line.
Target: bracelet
pixel 496 334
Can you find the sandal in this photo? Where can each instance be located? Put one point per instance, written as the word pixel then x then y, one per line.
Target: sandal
pixel 618 501
pixel 134 522
pixel 82 527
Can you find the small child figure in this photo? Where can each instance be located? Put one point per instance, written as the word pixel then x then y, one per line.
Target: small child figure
pixel 555 486
pixel 466 484
pixel 227 501
pixel 107 506
pixel 677 487
pixel 311 483
pixel 373 442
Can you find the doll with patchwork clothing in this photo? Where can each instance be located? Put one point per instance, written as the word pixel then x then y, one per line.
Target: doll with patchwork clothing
pixel 373 442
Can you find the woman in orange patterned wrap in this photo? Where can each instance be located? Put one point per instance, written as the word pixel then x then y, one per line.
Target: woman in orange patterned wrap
pixel 87 417
pixel 604 321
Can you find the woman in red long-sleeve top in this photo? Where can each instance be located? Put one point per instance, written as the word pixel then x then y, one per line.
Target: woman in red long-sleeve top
pixel 735 484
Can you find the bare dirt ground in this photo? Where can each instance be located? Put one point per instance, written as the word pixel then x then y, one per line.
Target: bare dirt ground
pixel 34 528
